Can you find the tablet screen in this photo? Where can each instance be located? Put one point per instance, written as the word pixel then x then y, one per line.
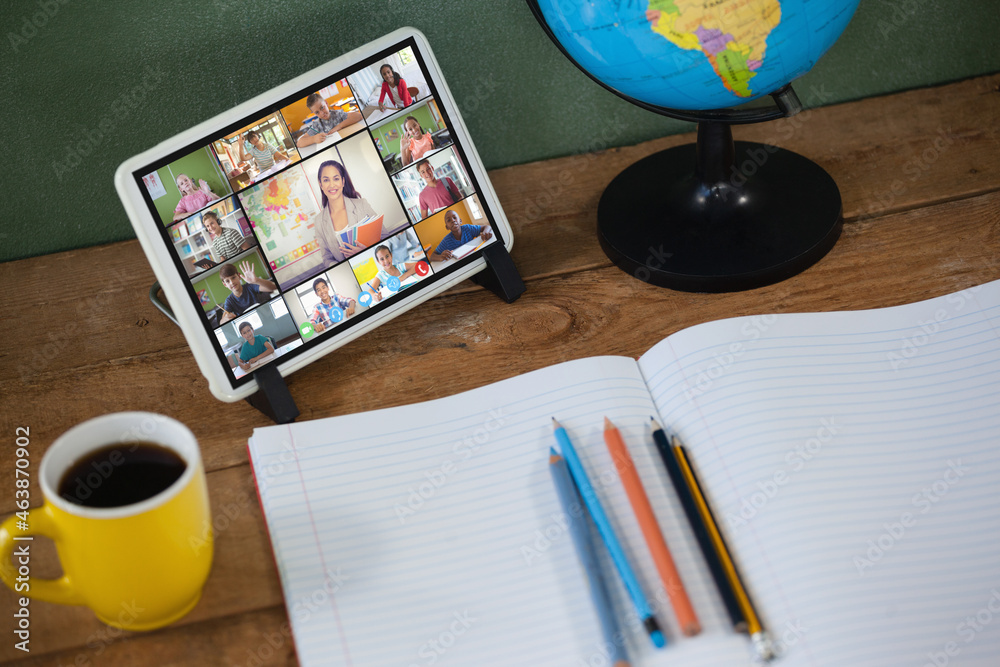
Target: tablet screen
pixel 297 222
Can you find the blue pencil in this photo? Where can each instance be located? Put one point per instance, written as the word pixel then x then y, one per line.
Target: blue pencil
pixel 572 504
pixel 608 535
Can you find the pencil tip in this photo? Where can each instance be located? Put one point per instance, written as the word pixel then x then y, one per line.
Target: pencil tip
pixel 556 424
pixel 607 424
pixel 554 456
pixel 656 424
pixel 762 645
pixel 653 628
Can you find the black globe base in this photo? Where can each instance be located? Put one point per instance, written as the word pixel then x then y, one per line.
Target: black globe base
pixel 719 216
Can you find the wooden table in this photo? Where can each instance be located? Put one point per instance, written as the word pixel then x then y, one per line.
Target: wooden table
pixel 920 177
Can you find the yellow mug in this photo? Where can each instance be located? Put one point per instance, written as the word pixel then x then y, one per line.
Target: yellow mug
pixel 138 566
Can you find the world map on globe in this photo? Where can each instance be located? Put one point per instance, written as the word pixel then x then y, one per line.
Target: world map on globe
pixel 696 54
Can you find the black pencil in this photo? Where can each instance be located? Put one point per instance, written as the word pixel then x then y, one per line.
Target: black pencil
pixel 698 526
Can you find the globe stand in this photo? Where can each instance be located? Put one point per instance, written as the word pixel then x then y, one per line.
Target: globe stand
pixel 748 215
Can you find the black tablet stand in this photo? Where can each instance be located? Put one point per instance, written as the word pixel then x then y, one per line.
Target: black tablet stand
pixel 500 275
pixel 273 398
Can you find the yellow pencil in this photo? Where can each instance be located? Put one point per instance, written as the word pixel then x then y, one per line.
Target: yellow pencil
pixel 761 642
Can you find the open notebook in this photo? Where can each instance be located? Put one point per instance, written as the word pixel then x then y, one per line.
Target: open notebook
pixel 853 459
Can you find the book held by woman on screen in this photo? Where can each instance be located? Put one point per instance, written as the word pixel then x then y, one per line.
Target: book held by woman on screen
pixel 852 460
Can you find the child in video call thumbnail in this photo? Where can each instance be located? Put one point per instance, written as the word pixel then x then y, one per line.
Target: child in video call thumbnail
pixel 437 194
pixel 193 198
pixel 244 296
pixel 226 242
pixel 386 270
pixel 325 312
pixel 393 87
pixel 458 235
pixel 255 347
pixel 327 121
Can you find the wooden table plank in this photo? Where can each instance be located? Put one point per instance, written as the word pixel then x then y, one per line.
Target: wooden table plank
pixel 117 352
pixel 256 638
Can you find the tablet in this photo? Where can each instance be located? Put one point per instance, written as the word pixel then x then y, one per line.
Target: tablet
pixel 305 217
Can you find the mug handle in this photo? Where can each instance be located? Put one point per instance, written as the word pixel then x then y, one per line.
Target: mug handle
pixel 41 522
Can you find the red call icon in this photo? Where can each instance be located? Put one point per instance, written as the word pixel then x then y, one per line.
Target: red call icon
pixel 423 268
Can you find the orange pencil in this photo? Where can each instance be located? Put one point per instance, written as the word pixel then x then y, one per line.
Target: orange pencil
pixel 651 531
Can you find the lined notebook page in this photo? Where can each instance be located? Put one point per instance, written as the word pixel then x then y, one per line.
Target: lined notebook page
pixel 854 460
pixel 431 533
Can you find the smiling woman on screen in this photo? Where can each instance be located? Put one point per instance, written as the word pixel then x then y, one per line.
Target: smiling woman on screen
pixel 342 208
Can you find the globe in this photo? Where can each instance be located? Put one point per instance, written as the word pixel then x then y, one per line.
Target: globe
pixel 696 54
pixel 718 215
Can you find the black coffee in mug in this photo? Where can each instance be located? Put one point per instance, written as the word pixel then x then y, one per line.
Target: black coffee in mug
pixel 121 474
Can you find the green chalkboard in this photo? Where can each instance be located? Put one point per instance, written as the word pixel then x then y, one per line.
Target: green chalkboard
pixel 87 85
